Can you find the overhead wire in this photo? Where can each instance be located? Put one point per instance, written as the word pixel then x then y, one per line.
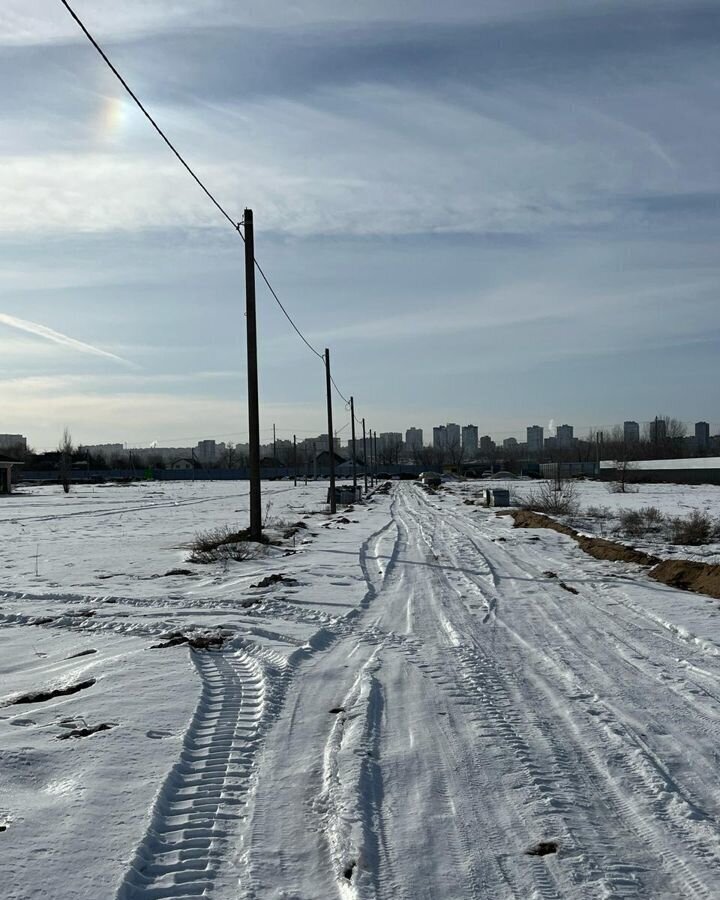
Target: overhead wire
pixel 236 226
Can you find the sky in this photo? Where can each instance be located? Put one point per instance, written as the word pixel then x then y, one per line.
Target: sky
pixel 502 213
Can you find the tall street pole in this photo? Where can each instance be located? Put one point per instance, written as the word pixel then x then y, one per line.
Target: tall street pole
pixel 252 379
pixel 365 458
pixel 295 459
pixel 352 429
pixel 331 444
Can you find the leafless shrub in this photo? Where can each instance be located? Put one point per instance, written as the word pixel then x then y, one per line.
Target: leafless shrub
pixel 224 544
pixel 598 512
pixel 554 499
pixel 696 529
pixel 637 523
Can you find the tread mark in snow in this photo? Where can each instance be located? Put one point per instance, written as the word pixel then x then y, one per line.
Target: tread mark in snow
pixel 205 793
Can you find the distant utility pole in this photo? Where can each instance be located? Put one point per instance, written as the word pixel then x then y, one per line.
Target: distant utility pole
pixel 375 456
pixel 365 458
pixel 331 443
pixel 252 380
pixel 295 459
pixel 352 429
pixel 274 444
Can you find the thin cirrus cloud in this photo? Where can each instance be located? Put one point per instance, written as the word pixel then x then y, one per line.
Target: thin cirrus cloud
pixel 57 337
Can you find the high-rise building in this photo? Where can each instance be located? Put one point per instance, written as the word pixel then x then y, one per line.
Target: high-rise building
pixel 565 439
pixel 439 437
pixel 658 431
pixel 206 451
pixel 487 444
pixel 414 439
pixel 631 432
pixel 13 441
pixel 452 432
pixel 469 440
pixel 510 443
pixel 390 441
pixel 702 435
pixel 535 438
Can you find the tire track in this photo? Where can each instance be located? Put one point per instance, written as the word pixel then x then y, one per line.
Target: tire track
pixel 203 799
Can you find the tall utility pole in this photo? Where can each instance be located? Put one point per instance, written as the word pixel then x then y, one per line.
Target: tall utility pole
pixel 352 430
pixel 252 380
pixel 375 456
pixel 274 444
pixel 371 462
pixel 295 459
pixel 365 459
pixel 331 443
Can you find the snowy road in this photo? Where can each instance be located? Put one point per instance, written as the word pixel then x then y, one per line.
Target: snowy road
pixel 411 728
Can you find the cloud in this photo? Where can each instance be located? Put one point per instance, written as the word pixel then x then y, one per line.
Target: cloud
pixel 58 338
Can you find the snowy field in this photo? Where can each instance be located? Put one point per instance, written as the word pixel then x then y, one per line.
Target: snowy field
pixel 599 508
pixel 427 695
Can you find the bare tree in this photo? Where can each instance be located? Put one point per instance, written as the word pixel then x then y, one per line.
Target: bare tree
pixel 66 450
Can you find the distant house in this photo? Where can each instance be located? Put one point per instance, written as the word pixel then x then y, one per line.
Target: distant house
pixel 184 463
pixel 6 467
pixel 323 458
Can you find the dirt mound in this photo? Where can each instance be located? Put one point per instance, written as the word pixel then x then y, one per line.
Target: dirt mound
pixel 702 578
pixel 596 547
pixel 527 518
pixel 609 550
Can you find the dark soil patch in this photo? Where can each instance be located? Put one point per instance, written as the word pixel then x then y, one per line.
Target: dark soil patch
pixel 212 641
pixel 276 578
pixel 566 587
pixel 178 572
pixel 336 709
pixel 43 620
pixel 549 574
pixel 42 696
pixel 88 652
pixel 348 871
pixel 543 848
pixel 86 732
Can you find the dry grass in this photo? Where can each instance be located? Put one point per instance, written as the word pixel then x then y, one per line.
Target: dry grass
pixel 224 544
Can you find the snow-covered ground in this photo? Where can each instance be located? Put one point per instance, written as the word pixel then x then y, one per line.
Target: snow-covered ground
pixel 425 696
pixel 600 507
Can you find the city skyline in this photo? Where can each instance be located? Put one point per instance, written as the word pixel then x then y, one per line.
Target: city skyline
pixel 535 437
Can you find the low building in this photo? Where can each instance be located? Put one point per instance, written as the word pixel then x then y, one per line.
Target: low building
pixel 6 467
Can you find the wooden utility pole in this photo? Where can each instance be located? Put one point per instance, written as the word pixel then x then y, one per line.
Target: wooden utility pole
pixel 352 431
pixel 375 456
pixel 331 443
pixel 365 458
pixel 252 380
pixel 295 459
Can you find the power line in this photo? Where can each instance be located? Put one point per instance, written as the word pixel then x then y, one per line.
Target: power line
pixel 150 118
pixel 285 312
pixel 236 226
